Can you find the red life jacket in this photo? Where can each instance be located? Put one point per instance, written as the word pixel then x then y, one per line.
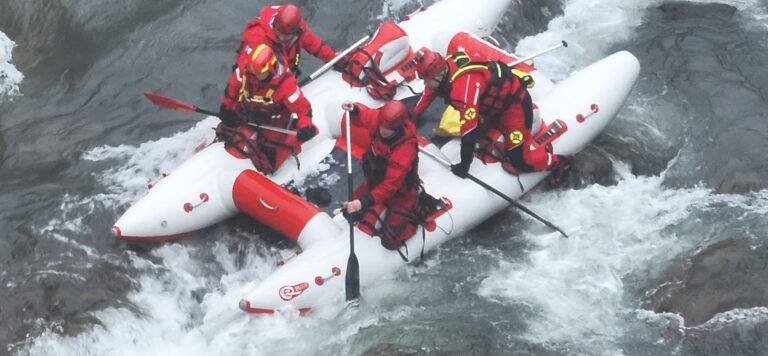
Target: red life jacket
pixel 258 96
pixel 379 155
pixel 383 63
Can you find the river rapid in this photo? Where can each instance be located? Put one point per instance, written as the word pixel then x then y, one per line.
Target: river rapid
pixel 666 211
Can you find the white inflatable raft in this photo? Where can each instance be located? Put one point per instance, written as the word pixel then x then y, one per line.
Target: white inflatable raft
pixel 586 102
pixel 216 183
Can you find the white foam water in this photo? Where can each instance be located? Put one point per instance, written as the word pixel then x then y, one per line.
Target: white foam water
pixel 146 162
pixel 171 318
pixel 576 286
pixel 10 77
pixel 390 8
pixel 185 310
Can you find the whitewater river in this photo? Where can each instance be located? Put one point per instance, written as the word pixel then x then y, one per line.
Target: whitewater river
pixel 666 211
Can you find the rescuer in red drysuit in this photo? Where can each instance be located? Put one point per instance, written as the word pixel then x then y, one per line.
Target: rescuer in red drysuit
pixel 262 91
pixel 390 167
pixel 487 96
pixel 283 29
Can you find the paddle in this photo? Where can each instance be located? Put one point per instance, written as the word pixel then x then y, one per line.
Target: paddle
pixel 562 44
pixel 333 61
pixel 175 104
pixel 495 191
pixel 352 279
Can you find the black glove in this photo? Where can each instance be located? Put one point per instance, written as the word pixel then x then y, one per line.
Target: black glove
pixel 228 117
pixel 461 170
pixel 353 217
pixel 306 133
pixel 388 243
pixel 468 142
pixel 341 64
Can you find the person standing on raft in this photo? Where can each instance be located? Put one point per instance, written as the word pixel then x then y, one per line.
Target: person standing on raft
pixel 390 167
pixel 489 97
pixel 283 29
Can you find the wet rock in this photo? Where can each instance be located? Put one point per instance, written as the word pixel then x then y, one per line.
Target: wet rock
pixel 474 349
pixel 59 302
pixel 390 349
pixel 726 275
pixel 591 166
pixel 674 11
pixel 739 332
pixel 706 57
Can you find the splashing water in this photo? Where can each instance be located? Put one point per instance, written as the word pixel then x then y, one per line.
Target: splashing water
pixel 10 77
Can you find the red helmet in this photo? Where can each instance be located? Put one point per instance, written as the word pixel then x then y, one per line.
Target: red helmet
pixel 288 19
pixel 431 64
pixel 392 115
pixel 262 60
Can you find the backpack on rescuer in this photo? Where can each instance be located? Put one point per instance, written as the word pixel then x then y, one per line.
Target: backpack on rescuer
pixel 501 91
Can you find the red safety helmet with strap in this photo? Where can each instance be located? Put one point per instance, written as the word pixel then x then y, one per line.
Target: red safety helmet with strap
pixel 288 20
pixel 392 115
pixel 432 64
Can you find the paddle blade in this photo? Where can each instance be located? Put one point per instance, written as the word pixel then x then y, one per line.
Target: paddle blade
pixel 170 103
pixel 352 281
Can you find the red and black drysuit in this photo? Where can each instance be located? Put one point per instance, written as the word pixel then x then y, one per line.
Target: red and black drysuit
pixel 261 30
pixel 488 96
pixel 270 102
pixel 390 166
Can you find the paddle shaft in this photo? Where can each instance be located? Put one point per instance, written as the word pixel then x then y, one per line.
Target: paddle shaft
pixel 497 192
pixel 352 278
pixel 562 44
pixel 275 129
pixel 265 127
pixel 171 103
pixel 333 61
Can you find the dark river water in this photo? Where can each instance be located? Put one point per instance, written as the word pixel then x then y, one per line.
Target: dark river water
pixel 667 210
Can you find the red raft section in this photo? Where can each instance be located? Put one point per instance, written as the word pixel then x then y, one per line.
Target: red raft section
pixel 465 42
pixel 272 205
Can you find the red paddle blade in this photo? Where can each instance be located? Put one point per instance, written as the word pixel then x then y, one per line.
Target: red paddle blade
pixel 170 103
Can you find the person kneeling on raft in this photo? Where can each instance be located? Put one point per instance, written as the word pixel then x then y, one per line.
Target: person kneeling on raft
pixel 390 166
pixel 261 90
pixel 489 97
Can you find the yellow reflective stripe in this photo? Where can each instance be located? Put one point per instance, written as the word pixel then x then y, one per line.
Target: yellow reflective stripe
pixel 258 50
pixel 458 56
pixel 465 69
pixel 519 73
pixel 256 53
pixel 271 63
pixel 243 92
pixel 525 77
pixel 266 99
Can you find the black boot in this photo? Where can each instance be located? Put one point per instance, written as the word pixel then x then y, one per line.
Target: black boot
pixel 559 170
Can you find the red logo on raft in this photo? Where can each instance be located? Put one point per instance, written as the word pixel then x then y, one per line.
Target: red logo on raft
pixel 289 292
